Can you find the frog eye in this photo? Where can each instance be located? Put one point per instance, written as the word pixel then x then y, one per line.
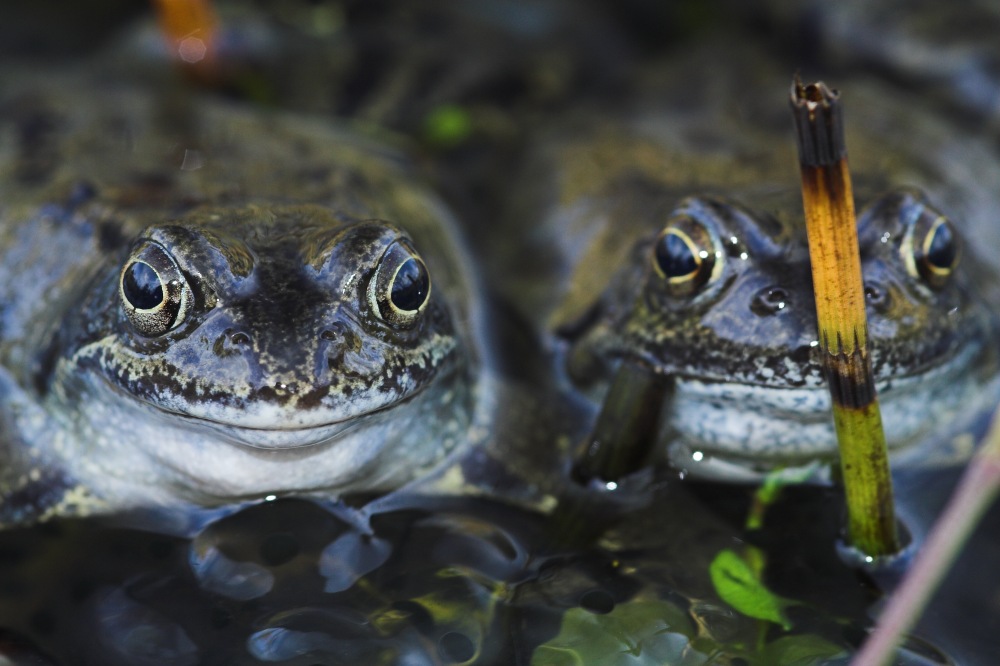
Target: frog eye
pixel 401 286
pixel 931 248
pixel 684 255
pixel 154 293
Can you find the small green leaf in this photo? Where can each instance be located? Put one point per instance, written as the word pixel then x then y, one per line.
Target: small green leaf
pixel 447 126
pixel 739 585
pixel 636 633
pixel 800 650
pixel 776 481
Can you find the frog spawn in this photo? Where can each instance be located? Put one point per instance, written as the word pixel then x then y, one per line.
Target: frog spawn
pixel 279 582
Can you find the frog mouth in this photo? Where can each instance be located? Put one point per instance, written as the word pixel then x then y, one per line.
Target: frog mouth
pixel 285 435
pixel 272 428
pixel 276 437
pixel 279 438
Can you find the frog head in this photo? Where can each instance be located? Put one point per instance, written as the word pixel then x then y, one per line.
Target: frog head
pixel 257 349
pixel 718 296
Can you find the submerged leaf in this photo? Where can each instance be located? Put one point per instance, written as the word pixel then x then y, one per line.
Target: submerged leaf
pixel 739 585
pixel 800 650
pixel 637 633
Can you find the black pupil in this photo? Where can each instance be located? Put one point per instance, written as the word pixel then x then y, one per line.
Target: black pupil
pixel 141 286
pixel 942 252
pixel 674 256
pixel 409 289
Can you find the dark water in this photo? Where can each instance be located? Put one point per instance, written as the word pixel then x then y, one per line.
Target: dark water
pixel 464 581
pixel 601 580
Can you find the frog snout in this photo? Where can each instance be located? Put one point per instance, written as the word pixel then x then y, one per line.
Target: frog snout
pixel 337 349
pixel 339 338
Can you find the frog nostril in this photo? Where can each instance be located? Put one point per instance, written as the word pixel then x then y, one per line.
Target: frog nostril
pixel 340 338
pixel 336 332
pixel 285 388
pixel 769 301
pixel 339 341
pixel 230 343
pixel 344 352
pixel 876 296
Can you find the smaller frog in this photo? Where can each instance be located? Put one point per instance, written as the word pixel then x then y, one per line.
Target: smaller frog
pixel 720 299
pixel 674 240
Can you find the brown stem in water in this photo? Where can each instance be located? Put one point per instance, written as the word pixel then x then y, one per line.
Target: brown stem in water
pixel 626 429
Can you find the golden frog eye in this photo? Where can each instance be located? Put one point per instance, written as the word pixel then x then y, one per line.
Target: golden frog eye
pixel 931 247
pixel 154 293
pixel 684 255
pixel 401 287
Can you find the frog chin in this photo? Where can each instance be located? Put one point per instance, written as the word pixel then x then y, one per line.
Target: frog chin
pixel 754 428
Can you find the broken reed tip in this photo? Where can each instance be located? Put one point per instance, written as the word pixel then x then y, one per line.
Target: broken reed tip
pixel 812 95
pixel 819 125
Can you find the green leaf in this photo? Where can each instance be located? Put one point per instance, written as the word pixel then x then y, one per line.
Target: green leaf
pixel 739 585
pixel 447 126
pixel 800 650
pixel 636 633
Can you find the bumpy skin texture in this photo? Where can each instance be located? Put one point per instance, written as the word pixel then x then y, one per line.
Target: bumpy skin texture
pixel 287 371
pixel 741 345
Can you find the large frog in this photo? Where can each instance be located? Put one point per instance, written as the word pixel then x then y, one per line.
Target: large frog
pixel 203 305
pixel 674 241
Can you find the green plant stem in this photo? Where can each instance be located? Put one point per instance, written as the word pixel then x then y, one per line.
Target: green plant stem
pixel 828 201
pixel 976 490
pixel 864 463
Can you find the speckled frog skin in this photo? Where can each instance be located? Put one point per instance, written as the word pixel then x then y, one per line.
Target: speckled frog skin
pixel 201 305
pixel 674 240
